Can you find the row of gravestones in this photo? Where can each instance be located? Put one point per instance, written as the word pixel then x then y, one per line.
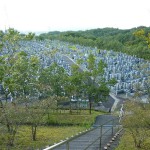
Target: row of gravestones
pixel 129 71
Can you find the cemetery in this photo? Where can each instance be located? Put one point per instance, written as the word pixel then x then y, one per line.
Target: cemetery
pixel 131 73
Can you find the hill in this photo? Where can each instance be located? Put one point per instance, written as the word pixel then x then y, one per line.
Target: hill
pixel 106 38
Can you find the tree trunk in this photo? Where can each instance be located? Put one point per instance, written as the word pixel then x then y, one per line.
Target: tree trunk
pixel 90 104
pixel 56 104
pixel 6 118
pixel 11 128
pixel 34 132
pixel 11 137
pixel 70 107
pixel 48 116
pixel 6 96
pixel 90 108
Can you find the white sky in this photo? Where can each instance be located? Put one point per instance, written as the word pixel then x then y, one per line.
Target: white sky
pixel 62 15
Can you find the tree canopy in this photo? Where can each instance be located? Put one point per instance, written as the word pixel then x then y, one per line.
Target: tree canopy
pixel 107 38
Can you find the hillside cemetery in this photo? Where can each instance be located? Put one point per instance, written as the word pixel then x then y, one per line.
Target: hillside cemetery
pixel 131 73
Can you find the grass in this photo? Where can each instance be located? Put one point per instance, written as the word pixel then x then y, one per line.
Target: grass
pixel 81 119
pixel 67 125
pixel 45 136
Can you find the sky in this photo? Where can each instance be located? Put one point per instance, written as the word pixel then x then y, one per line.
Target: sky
pixel 64 15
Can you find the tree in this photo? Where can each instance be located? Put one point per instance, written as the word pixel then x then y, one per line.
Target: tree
pixel 54 77
pixel 75 86
pixel 22 85
pixel 145 88
pixel 10 118
pixel 145 38
pixel 96 87
pixel 34 112
pixel 136 122
pixel 107 38
pixel 18 73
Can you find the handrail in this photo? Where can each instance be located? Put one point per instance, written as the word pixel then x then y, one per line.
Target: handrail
pixel 102 134
pixel 82 133
pixel 96 139
pixel 68 140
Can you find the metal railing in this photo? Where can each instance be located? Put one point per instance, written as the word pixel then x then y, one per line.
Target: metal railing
pixel 109 128
pixel 103 134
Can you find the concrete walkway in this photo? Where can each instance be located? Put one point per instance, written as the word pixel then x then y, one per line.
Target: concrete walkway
pixel 94 139
pixel 116 101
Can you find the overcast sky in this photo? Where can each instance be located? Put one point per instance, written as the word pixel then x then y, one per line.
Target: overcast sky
pixel 62 15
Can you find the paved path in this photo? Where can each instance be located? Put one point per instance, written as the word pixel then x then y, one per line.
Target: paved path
pixel 90 140
pixel 116 101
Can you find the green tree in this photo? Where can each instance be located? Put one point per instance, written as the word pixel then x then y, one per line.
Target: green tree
pixel 54 77
pixel 18 73
pixel 145 38
pixel 10 120
pixel 136 122
pixel 9 110
pixel 33 115
pixel 96 87
pixel 75 86
pixel 136 119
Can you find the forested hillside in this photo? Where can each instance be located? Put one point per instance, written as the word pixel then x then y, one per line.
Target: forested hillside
pixel 107 38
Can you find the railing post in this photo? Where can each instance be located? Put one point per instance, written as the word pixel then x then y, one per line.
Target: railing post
pixel 100 142
pixel 118 127
pixel 67 146
pixel 112 127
